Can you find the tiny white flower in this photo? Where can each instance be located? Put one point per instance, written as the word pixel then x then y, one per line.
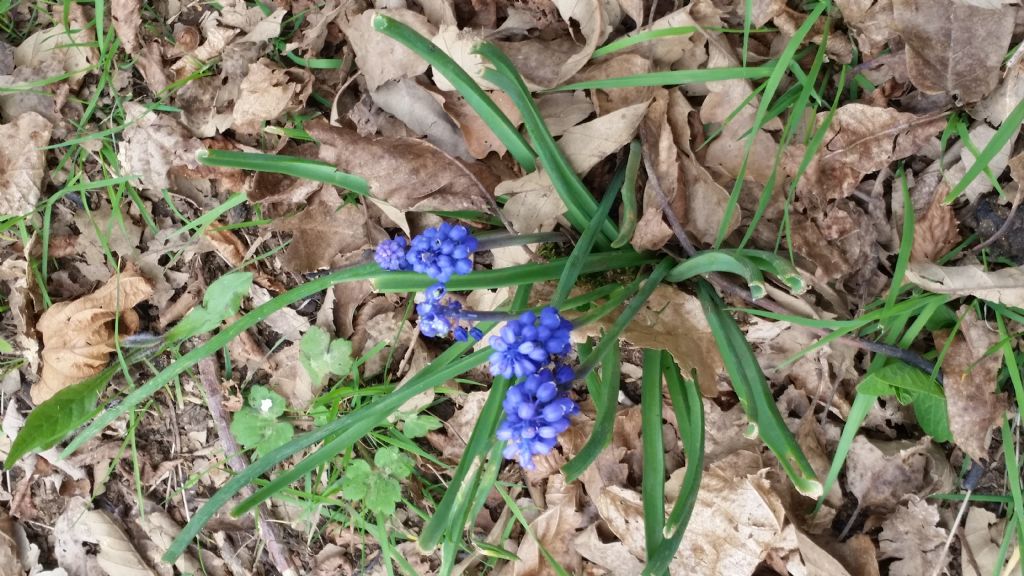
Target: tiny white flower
pixel 266 404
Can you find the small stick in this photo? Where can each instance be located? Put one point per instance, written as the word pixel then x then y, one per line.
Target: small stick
pixel 238 462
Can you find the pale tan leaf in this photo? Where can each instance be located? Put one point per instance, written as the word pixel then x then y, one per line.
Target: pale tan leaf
pixel 944 53
pixel 22 162
pixel 970 371
pixel 665 188
pixel 872 22
pixel 817 560
pixel 459 45
pixel 982 537
pixel 78 336
pixel 380 58
pixel 117 554
pixel 72 52
pixel 880 474
pixel 617 66
pixel 911 535
pixel 996 107
pixel 153 146
pixel 127 16
pixel 162 530
pixel 1004 286
pixel 480 139
pixel 553 530
pixel 674 320
pixel 612 556
pixel 291 380
pixel 268 92
pixel 563 110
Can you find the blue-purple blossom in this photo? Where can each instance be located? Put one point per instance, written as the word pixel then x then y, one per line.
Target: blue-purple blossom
pixel 537 410
pixel 438 316
pixel 442 252
pixel 529 343
pixel 390 254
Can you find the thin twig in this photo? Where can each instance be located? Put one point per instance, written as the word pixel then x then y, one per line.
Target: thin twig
pixel 238 462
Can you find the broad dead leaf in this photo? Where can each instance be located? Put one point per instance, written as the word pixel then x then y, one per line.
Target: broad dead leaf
pixel 665 188
pixel 268 92
pixel 673 320
pixel 323 230
pixel 980 135
pixel 162 530
pixel 78 336
pixel 1004 286
pixel 982 536
pixel 996 107
pixel 380 58
pixel 153 146
pixel 480 140
pixel 863 139
pixel 458 429
pixel 881 474
pixel 408 173
pixel 871 21
pixel 970 372
pixel 127 16
pixel 911 535
pixel 22 162
pixel 944 53
pixel 612 556
pixel 817 559
pixel 422 112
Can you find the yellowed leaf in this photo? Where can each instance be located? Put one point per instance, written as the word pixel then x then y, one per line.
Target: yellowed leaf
pixel 78 336
pixel 22 162
pixel 1004 286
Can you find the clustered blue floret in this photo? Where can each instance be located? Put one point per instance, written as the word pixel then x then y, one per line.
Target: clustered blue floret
pixel 529 348
pixel 537 410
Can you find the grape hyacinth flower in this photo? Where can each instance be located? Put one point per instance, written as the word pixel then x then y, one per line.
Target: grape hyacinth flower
pixel 438 317
pixel 390 254
pixel 537 410
pixel 442 252
pixel 529 343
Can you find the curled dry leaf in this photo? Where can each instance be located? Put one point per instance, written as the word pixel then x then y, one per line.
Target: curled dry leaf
pixel 971 372
pixel 1004 286
pixel 380 58
pixel 881 474
pixel 553 530
pixel 996 107
pixel 407 173
pixel 268 92
pixel 154 145
pixel 862 139
pixel 22 162
pixel 78 336
pixel 911 535
pixel 480 140
pixel 666 187
pixel 672 319
pixel 612 556
pixel 944 53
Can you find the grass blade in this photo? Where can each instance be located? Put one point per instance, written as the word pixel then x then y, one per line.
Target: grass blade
pixel 755 396
pixel 1008 129
pixel 627 224
pixel 669 78
pixel 605 393
pixel 295 167
pixel 475 96
pixel 653 482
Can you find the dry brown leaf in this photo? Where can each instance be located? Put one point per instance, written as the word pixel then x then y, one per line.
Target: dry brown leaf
pixel 871 21
pixel 563 110
pixel 291 379
pixel 423 113
pixel 621 65
pixel 673 320
pixel 153 146
pixel 268 92
pixel 980 135
pixel 881 474
pixel 1004 286
pixel 480 139
pixel 459 45
pixel 162 530
pixel 408 173
pixel 459 427
pixel 612 556
pixel 22 162
pixel 78 336
pixel 911 535
pixel 380 58
pixel 981 538
pixel 127 16
pixel 666 187
pixel 996 107
pixel 970 384
pixel 936 232
pixel 817 560
pixel 863 139
pixel 71 52
pixel 312 37
pixel 117 554
pixel 553 530
pixel 323 230
pixel 944 53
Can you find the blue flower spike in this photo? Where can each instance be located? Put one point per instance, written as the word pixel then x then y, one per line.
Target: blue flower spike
pixel 442 252
pixel 529 343
pixel 439 317
pixel 537 410
pixel 390 254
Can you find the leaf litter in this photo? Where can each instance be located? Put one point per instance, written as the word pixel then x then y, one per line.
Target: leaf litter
pixel 314 80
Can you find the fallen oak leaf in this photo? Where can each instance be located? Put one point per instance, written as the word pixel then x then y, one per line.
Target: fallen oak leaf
pixel 78 336
pixel 1004 286
pixel 22 162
